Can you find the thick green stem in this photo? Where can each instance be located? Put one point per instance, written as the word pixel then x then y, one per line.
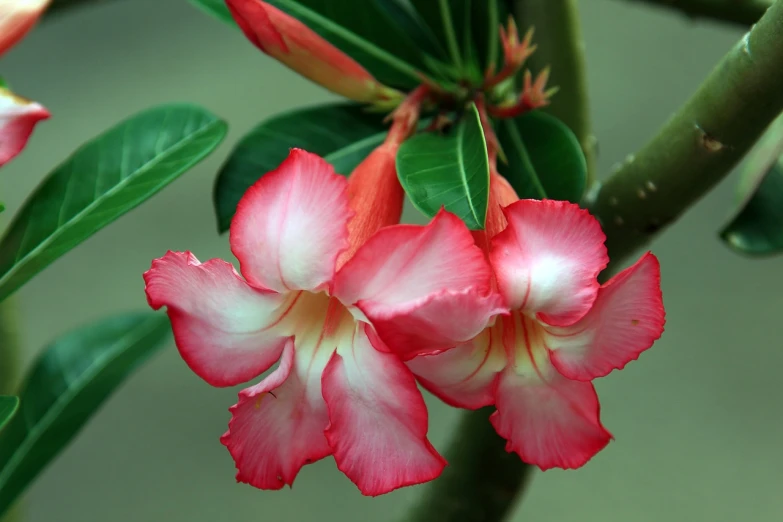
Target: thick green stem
pixel 700 144
pixel 560 46
pixel 482 481
pixel 743 12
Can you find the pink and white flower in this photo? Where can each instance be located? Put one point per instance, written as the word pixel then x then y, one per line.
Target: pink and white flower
pixel 18 117
pixel 535 365
pixel 340 387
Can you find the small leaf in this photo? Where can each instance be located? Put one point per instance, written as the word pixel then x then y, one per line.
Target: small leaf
pixel 66 386
pixel 102 180
pixel 450 171
pixel 8 407
pixel 322 130
pixel 757 226
pixel 544 158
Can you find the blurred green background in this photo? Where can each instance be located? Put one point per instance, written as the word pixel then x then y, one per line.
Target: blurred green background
pixel 697 420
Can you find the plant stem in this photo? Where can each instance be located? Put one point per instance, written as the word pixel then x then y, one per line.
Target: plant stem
pixel 482 481
pixel 9 368
pixel 559 45
pixel 743 12
pixel 700 144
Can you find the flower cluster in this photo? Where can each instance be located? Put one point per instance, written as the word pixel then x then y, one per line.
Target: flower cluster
pixel 355 308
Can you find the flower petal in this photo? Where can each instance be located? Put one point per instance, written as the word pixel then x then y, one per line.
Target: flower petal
pixel 437 324
pixel 378 419
pixel 627 318
pixel 17 18
pixel 278 425
pixel 219 321
pixel 552 424
pixel 18 117
pixel 429 287
pixel 464 376
pixel 291 225
pixel 548 258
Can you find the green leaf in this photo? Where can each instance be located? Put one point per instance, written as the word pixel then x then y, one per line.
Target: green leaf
pixel 216 8
pixel 757 226
pixel 8 407
pixel 105 178
pixel 450 171
pixel 544 158
pixel 322 130
pixel 66 386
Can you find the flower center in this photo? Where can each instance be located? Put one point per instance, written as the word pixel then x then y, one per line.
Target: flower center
pixel 318 324
pixel 524 341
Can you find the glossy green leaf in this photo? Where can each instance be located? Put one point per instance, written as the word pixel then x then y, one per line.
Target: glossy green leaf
pixel 102 180
pixel 757 226
pixel 544 158
pixel 66 386
pixel 450 171
pixel 216 8
pixel 322 130
pixel 8 407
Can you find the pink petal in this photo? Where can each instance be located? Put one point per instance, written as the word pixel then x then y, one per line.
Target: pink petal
pixel 464 376
pixel 552 424
pixel 437 324
pixel 278 425
pixel 17 17
pixel 423 288
pixel 219 321
pixel 378 419
pixel 548 258
pixel 627 318
pixel 18 117
pixel 291 225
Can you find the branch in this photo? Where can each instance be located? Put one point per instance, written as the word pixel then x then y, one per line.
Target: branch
pixel 482 481
pixel 558 38
pixel 743 12
pixel 700 144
